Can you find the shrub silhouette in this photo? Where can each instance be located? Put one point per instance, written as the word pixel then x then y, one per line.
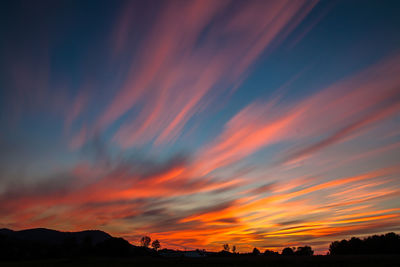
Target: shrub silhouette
pixel 268 252
pixel 376 244
pixel 287 251
pixel 304 251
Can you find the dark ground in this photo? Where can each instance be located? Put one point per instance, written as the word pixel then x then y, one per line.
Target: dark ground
pixel 386 260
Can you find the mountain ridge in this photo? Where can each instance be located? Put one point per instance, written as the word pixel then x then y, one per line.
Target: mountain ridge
pixel 51 236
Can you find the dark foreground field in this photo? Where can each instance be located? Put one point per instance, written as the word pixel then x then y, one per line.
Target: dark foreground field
pixel 239 261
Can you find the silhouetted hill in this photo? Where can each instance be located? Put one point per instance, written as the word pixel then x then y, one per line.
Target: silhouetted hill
pixel 42 243
pixel 49 236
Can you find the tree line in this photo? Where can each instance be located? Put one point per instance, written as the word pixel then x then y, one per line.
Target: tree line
pixel 288 251
pixel 377 244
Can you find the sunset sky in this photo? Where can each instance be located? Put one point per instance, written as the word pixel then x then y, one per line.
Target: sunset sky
pixel 255 123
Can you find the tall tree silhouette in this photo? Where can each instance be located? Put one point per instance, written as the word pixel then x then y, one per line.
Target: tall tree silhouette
pixel 256 251
pixel 226 247
pixel 234 249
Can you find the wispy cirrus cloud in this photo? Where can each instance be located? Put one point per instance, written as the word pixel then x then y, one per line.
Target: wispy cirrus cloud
pixel 161 68
pixel 339 112
pixel 179 64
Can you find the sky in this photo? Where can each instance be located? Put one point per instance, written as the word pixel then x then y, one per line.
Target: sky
pixel 254 123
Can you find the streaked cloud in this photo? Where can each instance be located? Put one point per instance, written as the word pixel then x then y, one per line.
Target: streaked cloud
pixel 184 67
pixel 199 123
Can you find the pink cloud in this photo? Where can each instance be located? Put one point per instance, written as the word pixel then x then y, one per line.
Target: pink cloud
pixel 182 67
pixel 341 111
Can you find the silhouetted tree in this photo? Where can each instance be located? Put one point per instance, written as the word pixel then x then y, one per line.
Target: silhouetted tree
pixel 226 247
pixel 304 251
pixel 156 244
pixel 256 251
pixel 287 251
pixel 234 249
pixel 145 241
